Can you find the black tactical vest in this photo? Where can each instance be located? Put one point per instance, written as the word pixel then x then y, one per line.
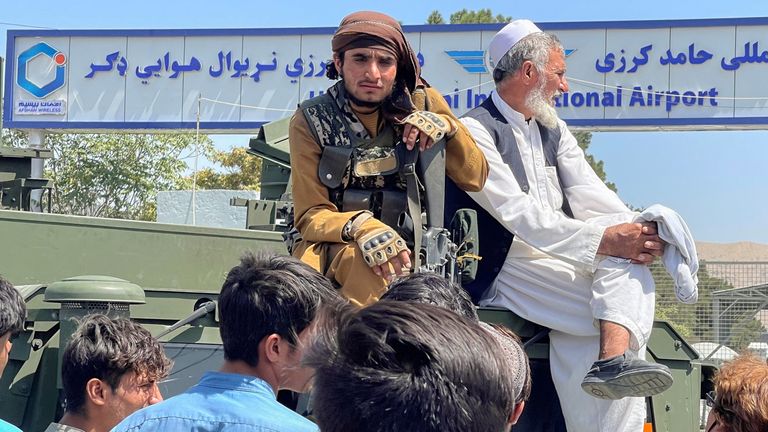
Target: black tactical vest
pixel 344 155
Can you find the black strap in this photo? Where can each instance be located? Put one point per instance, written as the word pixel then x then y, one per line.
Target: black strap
pixel 414 201
pixel 426 166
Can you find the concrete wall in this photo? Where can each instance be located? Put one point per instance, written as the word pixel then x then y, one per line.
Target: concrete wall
pixel 212 208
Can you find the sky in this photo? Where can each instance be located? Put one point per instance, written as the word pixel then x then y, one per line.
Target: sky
pixel 716 180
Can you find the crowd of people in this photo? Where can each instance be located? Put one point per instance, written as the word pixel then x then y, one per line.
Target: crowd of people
pixel 383 348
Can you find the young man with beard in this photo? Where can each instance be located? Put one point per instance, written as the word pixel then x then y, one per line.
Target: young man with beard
pixel 554 272
pixel 349 151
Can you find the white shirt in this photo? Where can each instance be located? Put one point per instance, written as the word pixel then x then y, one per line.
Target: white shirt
pixel 536 218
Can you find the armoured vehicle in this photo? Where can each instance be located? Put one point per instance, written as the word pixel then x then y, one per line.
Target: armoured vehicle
pixel 167 278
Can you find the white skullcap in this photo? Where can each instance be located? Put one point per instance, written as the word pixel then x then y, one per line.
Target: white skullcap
pixel 515 356
pixel 507 37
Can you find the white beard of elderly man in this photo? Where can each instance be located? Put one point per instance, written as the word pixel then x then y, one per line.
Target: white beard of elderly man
pixel 578 261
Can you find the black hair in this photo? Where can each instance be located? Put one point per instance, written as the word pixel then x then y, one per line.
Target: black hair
pixel 107 348
pixel 395 366
pixel 13 310
pixel 432 289
pixel 269 294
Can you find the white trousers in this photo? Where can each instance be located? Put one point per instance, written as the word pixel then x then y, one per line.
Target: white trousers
pixel 570 301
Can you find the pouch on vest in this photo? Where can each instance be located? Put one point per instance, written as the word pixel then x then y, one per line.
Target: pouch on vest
pixel 388 206
pixel 356 199
pixel 373 162
pixel 333 164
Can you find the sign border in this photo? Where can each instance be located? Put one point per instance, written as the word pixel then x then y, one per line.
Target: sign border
pixel 239 127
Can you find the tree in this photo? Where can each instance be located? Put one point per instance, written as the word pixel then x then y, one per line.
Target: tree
pixel 114 175
pixel 242 171
pixel 435 18
pixel 13 138
pixel 465 16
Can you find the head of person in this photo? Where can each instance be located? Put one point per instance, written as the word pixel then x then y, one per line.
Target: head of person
pixel 740 399
pixel 376 62
pixel 13 312
pixel 409 366
pixel 529 70
pixel 513 352
pixel 110 369
pixel 432 289
pixel 267 306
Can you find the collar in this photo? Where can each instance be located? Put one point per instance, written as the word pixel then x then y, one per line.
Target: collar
pixel 513 117
pixel 223 380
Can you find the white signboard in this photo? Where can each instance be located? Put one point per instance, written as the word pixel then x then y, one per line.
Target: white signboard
pixel 629 75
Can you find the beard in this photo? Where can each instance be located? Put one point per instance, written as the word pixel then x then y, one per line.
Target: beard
pixel 543 107
pixel 361 103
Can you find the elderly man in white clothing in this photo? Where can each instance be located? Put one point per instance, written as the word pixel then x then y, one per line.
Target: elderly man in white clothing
pixel 577 264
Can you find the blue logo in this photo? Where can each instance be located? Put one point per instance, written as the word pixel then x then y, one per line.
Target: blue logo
pixel 24 59
pixel 471 61
pixel 475 61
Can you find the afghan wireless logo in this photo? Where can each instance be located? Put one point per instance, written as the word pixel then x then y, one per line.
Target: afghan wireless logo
pixel 475 61
pixel 25 61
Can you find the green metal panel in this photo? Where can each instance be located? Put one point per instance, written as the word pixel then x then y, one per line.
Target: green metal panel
pixel 677 409
pixel 271 145
pixel 43 248
pixel 667 344
pixel 524 329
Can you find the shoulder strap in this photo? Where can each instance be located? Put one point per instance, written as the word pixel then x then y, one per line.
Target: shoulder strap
pixel 326 121
pixel 424 171
pixel 331 132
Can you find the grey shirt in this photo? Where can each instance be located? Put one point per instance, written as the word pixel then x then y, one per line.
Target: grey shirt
pixel 58 427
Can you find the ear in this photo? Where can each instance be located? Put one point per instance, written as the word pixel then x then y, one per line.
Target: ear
pixel 272 347
pixel 96 391
pixel 337 61
pixel 515 416
pixel 529 70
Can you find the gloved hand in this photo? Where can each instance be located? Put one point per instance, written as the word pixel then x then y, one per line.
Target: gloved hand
pixel 428 128
pixel 381 246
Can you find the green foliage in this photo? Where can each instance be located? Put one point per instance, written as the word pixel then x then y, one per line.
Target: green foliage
pixel 465 16
pixel 114 175
pixel 435 18
pixel 242 171
pixel 13 138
